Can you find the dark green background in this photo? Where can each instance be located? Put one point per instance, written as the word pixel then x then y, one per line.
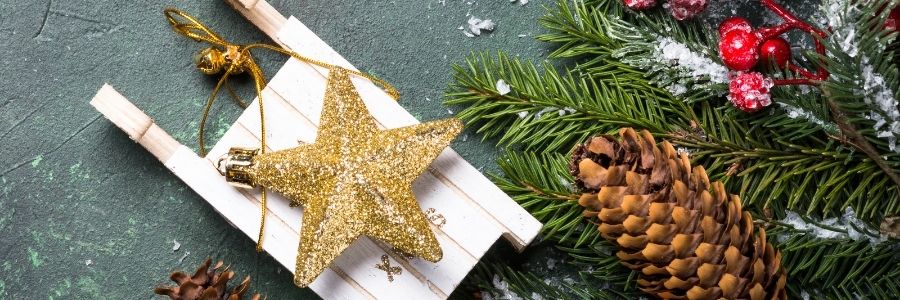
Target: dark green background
pixel 73 188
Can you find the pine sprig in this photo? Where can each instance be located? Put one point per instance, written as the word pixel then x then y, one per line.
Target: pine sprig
pixel 542 185
pixel 526 285
pixel 839 267
pixel 608 37
pixel 550 110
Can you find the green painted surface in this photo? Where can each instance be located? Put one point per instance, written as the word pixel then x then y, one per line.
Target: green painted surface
pixel 87 214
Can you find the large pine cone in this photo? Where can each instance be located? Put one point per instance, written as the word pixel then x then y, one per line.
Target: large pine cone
pixel 206 284
pixel 687 241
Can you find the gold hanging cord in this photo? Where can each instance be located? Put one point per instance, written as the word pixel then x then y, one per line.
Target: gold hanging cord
pixel 228 58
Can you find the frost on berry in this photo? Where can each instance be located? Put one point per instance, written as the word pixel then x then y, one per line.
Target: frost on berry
pixel 738 50
pixel 686 9
pixel 734 23
pixel 749 91
pixel 639 4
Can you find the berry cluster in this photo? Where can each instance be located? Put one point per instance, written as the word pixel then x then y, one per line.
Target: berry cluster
pixel 680 9
pixel 741 48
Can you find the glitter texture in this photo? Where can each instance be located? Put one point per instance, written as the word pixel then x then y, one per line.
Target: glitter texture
pixel 355 180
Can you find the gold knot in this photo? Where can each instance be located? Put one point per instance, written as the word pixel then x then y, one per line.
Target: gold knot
pixel 213 61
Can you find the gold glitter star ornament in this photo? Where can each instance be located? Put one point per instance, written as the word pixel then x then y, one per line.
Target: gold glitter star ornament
pixel 354 180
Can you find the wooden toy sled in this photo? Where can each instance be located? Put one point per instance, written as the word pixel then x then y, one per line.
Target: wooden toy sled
pixel 468 211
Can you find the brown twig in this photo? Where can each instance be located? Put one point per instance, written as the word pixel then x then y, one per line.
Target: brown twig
pixel 858 141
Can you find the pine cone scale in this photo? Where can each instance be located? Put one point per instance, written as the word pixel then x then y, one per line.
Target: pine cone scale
pixel 686 236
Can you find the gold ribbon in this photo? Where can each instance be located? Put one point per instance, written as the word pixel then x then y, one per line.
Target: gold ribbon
pixel 230 59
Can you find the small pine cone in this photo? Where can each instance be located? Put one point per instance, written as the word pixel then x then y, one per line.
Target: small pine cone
pixel 688 238
pixel 206 284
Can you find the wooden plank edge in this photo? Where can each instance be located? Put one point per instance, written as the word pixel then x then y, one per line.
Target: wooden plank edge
pixel 134 122
pixel 261 14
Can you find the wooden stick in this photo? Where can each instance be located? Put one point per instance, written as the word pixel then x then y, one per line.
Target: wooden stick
pixel 262 14
pixel 139 127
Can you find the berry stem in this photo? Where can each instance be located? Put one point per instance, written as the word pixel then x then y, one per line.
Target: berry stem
pixel 792 22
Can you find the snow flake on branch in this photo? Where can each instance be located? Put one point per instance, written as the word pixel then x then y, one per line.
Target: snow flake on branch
pixel 502 291
pixel 560 111
pixel 676 54
pixel 838 14
pixel 795 112
pixel 847 226
pixel 690 65
pixel 881 97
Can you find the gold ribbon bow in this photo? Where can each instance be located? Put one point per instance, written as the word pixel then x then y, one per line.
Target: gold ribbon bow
pixel 231 59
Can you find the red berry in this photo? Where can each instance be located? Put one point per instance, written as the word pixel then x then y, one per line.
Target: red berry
pixel 893 19
pixel 775 50
pixel 739 50
pixel 749 91
pixel 639 4
pixel 686 9
pixel 734 23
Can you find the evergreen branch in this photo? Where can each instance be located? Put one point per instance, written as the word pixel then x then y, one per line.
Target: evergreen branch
pixel 834 268
pixel 673 55
pixel 772 170
pixel 549 110
pixel 543 186
pixel 503 282
pixel 499 280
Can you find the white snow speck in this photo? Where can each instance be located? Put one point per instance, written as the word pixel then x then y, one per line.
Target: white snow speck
pixel 522 114
pixel 565 110
pixel 176 245
pixel 502 87
pixel 503 291
pixel 184 256
pixel 88 262
pixel 476 25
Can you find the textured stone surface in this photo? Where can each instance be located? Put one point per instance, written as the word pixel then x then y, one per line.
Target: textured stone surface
pixel 86 213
